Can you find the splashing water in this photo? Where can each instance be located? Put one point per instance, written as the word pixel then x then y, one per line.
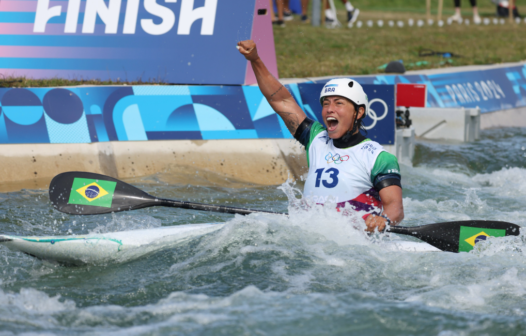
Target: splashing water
pixel 312 272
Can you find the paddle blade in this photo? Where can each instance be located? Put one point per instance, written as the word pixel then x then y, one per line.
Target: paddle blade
pixel 458 236
pixel 82 193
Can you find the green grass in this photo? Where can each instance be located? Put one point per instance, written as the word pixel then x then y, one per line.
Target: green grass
pixel 306 51
pixel 54 82
pixel 486 7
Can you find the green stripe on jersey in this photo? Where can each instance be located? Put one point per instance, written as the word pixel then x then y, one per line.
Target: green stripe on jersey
pixel 386 163
pixel 315 129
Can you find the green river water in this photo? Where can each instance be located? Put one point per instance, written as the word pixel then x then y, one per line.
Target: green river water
pixel 311 274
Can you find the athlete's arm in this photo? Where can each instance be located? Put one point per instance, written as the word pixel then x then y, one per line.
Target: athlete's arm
pixel 393 208
pixel 386 180
pixel 277 95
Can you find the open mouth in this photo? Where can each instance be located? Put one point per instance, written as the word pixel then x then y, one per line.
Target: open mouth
pixel 332 123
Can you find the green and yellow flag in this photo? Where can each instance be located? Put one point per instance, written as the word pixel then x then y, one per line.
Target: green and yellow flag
pixel 469 236
pixel 92 192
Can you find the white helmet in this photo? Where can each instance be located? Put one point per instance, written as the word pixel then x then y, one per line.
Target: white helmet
pixel 347 88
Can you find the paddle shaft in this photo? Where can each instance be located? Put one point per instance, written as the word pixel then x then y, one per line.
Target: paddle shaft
pixel 406 230
pixel 208 207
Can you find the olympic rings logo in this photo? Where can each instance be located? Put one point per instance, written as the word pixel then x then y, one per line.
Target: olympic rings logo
pixel 337 159
pixel 373 115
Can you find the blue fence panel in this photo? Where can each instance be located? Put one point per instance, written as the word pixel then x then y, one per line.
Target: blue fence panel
pixel 141 113
pixel 491 90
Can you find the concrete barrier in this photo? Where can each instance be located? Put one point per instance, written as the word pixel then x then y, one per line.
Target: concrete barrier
pixel 218 162
pixel 457 124
pixel 507 118
pixel 255 161
pixel 404 148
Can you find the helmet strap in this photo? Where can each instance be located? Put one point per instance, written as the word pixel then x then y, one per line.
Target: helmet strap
pixel 355 125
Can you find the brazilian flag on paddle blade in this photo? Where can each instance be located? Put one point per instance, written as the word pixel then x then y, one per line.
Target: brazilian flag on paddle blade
pixel 469 236
pixel 92 192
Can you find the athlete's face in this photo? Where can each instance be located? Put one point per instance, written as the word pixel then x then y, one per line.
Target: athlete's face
pixel 339 115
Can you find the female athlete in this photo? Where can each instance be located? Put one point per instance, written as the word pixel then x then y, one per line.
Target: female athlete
pixel 344 166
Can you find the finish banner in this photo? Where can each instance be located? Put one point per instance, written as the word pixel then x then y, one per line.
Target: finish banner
pixel 165 41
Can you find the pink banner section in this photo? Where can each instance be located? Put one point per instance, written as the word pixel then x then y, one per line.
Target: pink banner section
pixel 72 52
pixel 63 74
pixel 263 35
pixel 51 29
pixel 18 6
pixel 31 6
pixel 27 6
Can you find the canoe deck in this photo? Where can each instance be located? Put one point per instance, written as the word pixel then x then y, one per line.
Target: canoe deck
pixel 127 245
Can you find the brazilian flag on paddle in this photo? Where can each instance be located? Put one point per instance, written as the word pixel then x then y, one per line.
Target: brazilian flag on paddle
pixel 469 236
pixel 92 192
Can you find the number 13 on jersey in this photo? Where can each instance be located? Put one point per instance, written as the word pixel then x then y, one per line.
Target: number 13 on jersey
pixel 330 177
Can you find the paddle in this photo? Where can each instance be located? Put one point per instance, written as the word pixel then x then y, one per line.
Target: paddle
pixel 82 193
pixel 458 236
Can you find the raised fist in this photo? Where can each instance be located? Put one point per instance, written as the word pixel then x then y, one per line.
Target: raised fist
pixel 248 49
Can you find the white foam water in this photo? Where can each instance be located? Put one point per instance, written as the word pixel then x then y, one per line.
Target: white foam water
pixel 311 273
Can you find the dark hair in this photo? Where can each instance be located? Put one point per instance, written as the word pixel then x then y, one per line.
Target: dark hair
pixel 359 124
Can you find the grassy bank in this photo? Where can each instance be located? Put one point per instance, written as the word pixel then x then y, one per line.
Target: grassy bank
pixel 54 82
pixel 419 6
pixel 306 51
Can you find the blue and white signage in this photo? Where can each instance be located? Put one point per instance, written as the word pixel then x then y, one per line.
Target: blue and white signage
pixel 142 113
pixel 491 90
pixel 166 41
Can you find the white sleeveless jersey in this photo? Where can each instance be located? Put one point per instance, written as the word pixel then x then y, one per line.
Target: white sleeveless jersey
pixel 339 175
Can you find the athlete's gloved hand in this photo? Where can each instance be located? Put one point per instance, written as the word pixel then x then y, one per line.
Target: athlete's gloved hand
pixel 375 222
pixel 248 49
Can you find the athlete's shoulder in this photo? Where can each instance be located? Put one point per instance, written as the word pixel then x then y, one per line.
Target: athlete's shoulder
pixel 318 129
pixel 389 162
pixel 318 133
pixel 307 131
pixel 385 167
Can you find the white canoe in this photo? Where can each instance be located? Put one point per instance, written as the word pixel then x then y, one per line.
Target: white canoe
pixel 127 245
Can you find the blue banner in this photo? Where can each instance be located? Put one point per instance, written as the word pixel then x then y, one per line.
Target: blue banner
pixel 142 113
pixel 170 41
pixel 491 90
